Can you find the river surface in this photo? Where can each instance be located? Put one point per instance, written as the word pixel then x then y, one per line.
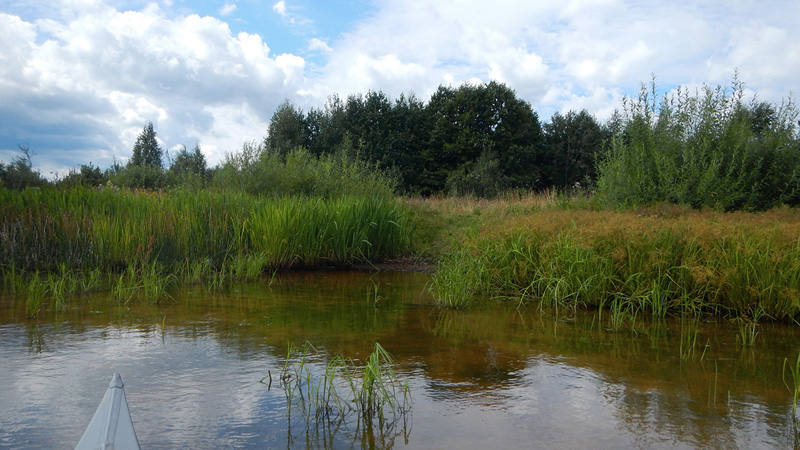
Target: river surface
pixel 497 377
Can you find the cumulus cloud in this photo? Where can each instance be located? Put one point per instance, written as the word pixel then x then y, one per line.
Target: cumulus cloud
pixel 560 55
pixel 92 83
pixel 318 45
pixel 228 9
pixel 79 82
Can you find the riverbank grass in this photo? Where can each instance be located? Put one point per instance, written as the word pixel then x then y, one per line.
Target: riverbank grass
pixel 661 260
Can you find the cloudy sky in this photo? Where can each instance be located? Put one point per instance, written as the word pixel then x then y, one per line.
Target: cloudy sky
pixel 80 78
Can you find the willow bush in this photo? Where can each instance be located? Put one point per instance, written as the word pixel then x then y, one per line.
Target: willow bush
pixel 710 149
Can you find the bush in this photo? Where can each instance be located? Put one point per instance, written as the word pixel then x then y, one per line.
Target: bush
pixel 260 172
pixel 707 150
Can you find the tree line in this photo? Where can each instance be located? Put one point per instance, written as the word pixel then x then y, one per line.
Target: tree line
pixel 471 139
pixel 708 148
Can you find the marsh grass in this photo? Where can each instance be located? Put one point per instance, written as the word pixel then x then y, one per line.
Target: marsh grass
pixel 326 394
pixel 36 291
pixel 146 241
pixel 656 261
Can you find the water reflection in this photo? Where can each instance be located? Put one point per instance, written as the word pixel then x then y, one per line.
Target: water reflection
pixel 500 376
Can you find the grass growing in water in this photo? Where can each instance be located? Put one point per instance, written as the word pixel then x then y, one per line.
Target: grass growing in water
pixel 326 397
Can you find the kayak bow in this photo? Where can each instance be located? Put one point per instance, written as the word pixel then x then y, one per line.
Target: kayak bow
pixel 111 427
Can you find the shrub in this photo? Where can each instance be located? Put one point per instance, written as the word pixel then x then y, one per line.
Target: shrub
pixel 706 150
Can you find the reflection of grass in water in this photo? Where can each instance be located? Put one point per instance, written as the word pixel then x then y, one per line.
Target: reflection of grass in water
pixel 794 386
pixel 327 398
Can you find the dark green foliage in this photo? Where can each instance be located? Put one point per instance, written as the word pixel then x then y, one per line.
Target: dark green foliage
pixel 144 169
pixel 287 130
pixel 87 175
pixel 706 150
pixel 423 145
pixel 481 178
pixel 487 119
pixel 188 168
pixel 19 173
pixel 146 151
pixel 144 176
pixel 572 142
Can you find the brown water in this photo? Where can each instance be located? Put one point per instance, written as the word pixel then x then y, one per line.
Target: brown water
pixel 501 377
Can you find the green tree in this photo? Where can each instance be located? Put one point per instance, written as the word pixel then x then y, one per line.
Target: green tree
pixel 188 167
pixel 704 150
pixel 487 119
pixel 287 130
pixel 87 175
pixel 19 173
pixel 146 151
pixel 572 141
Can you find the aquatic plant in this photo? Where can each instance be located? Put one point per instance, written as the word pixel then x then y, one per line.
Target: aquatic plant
pixel 661 261
pixel 191 233
pixel 458 278
pixel 36 291
pixel 794 384
pixel 372 392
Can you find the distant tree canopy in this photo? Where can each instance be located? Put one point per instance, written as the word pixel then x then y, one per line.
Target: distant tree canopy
pixel 19 173
pixel 146 151
pixel 710 149
pixel 462 134
pixel 572 141
pixel 188 168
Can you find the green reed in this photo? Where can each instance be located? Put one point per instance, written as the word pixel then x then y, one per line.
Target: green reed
pixel 36 291
pixel 656 273
pixel 794 384
pixel 191 233
pixel 371 392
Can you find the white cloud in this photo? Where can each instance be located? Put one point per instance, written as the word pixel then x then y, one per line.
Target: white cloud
pixel 87 76
pixel 280 8
pixel 101 76
pixel 319 45
pixel 228 9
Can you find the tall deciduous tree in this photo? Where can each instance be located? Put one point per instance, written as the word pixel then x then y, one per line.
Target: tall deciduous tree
pixel 572 141
pixel 287 130
pixel 146 151
pixel 487 120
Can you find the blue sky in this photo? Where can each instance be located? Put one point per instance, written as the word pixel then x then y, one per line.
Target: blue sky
pixel 80 78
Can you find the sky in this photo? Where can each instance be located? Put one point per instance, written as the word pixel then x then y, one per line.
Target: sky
pixel 79 79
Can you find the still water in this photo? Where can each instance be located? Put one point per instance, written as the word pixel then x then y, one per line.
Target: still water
pixel 498 377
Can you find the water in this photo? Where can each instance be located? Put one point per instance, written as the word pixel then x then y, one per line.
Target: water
pixel 500 377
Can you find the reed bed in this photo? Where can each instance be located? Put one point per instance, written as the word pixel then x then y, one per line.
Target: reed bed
pixel 142 242
pixel 656 261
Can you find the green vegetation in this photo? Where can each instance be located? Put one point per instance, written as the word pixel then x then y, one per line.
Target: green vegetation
pixel 327 397
pixel 704 150
pixel 143 243
pixel 320 190
pixel 657 261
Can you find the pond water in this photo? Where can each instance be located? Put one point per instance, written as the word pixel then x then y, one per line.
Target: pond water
pixel 498 377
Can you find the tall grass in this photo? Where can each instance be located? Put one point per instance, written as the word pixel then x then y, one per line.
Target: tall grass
pixel 79 229
pixel 635 262
pixel 327 395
